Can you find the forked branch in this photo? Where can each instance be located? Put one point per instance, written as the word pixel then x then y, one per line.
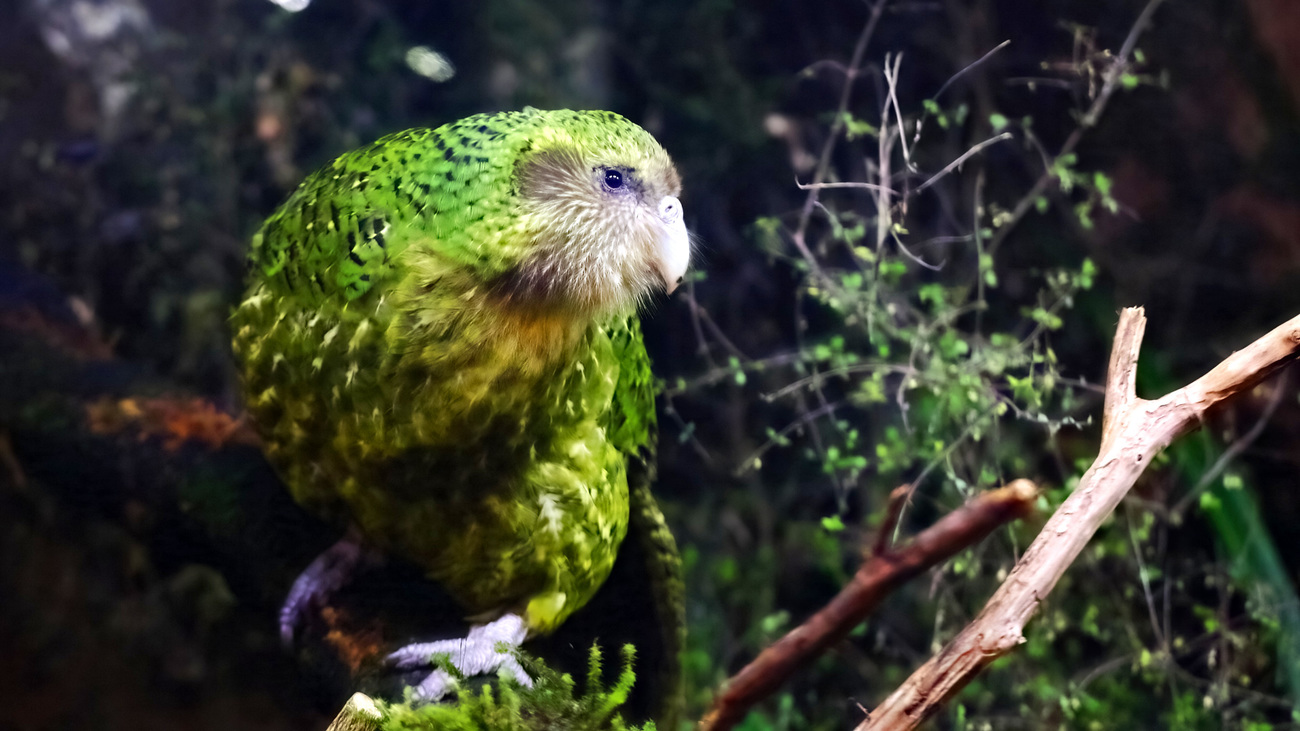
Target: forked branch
pixel 1134 431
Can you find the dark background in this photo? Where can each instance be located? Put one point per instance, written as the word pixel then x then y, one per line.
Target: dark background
pixel 142 142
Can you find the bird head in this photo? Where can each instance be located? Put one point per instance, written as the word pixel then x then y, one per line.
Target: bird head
pixel 598 208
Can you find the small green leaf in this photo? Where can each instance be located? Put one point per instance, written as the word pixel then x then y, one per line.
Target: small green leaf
pixel 1210 502
pixel 833 523
pixel 1101 182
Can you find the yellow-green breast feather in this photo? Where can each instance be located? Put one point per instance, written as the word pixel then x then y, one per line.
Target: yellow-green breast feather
pixel 440 349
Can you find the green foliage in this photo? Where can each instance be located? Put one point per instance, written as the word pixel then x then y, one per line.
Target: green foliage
pixel 1253 559
pixel 909 362
pixel 507 706
pixel 913 374
pixel 916 363
pixel 224 121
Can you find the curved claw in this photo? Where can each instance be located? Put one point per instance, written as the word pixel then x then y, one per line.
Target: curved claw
pixel 328 573
pixel 476 654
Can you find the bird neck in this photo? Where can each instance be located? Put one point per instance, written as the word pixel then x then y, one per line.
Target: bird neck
pixel 453 319
pixel 535 333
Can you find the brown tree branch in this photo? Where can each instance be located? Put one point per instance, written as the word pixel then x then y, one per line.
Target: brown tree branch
pixel 885 533
pixel 359 714
pixel 1134 432
pixel 876 579
pixel 1121 373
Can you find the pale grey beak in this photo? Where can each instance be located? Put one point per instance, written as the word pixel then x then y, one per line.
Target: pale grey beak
pixel 674 242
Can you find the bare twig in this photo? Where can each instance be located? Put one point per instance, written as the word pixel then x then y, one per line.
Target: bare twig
pixel 1112 78
pixel 837 127
pixel 876 579
pixel 970 67
pixel 963 158
pixel 1233 450
pixel 1134 432
pixel 832 186
pixel 943 456
pixel 898 241
pixel 885 533
pixel 720 373
pixel 891 101
pixel 700 319
pixel 1145 577
pixel 702 343
pixel 811 202
pixel 840 372
pixel 977 233
pixel 806 417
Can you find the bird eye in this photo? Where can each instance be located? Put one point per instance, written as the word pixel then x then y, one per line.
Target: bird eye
pixel 613 179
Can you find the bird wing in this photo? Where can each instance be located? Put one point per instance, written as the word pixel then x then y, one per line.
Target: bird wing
pixel 631 426
pixel 633 431
pixel 342 232
pixel 337 235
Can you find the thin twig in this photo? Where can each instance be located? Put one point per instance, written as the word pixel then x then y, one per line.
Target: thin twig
pixel 969 67
pixel 806 418
pixel 702 343
pixel 1113 74
pixel 718 374
pixel 698 311
pixel 1280 392
pixel 1145 579
pixel 789 388
pixel 837 127
pixel 891 99
pixel 876 579
pixel 977 232
pixel 898 241
pixel 671 412
pixel 832 186
pixel 811 201
pixel 893 510
pixel 963 158
pixel 944 456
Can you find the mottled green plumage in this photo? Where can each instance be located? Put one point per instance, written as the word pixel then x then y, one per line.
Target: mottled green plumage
pixel 440 346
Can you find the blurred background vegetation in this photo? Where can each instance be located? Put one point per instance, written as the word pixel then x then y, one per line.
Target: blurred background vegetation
pixel 942 338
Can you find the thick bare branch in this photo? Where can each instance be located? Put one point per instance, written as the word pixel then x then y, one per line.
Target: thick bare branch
pixel 358 714
pixel 877 578
pixel 1135 431
pixel 1121 375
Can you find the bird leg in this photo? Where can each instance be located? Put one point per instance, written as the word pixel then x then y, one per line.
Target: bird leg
pixel 476 654
pixel 331 571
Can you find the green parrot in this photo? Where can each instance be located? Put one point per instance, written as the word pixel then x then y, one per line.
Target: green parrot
pixel 440 347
